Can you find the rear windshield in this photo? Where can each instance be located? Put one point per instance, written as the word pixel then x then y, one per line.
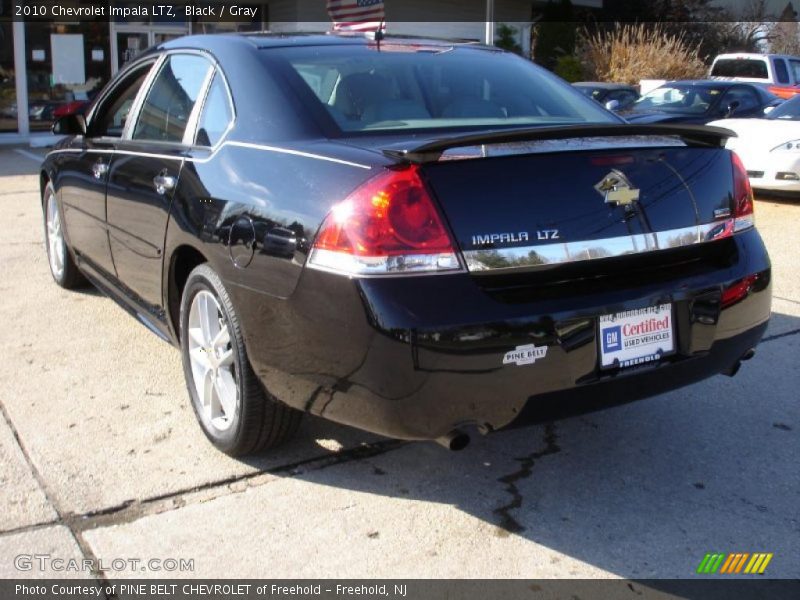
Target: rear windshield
pixel 750 68
pixel 403 87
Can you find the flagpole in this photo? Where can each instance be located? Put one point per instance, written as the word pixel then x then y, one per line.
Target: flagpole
pixel 489 33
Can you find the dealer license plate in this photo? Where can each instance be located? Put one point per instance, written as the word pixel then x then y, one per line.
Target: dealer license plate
pixel 635 337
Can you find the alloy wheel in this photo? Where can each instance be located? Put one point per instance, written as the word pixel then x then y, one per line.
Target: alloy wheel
pixel 56 249
pixel 212 361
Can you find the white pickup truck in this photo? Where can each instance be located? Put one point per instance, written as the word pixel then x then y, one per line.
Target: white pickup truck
pixel 779 72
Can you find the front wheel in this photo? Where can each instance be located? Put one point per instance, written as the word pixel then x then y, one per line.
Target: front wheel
pixel 62 266
pixel 234 410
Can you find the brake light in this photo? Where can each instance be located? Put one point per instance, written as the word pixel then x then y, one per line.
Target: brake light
pixel 742 196
pixel 388 225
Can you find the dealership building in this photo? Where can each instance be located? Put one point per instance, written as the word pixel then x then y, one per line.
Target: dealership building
pixel 58 63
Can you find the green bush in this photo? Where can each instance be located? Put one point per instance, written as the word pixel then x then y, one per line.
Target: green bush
pixel 569 68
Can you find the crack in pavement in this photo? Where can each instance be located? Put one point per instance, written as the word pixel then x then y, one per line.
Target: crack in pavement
pixel 132 510
pixel 507 522
pixel 11 193
pixel 79 541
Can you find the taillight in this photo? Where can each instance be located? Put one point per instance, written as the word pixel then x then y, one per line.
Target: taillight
pixel 389 225
pixel 742 196
pixel 783 92
pixel 738 291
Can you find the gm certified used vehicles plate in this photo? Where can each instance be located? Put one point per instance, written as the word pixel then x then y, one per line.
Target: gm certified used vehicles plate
pixel 408 236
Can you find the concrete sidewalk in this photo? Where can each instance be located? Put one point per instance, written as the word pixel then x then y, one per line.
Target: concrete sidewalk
pixel 102 458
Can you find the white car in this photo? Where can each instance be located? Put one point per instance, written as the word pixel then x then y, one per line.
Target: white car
pixel 769 147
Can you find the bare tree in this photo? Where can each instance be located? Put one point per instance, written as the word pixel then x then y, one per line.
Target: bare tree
pixel 784 33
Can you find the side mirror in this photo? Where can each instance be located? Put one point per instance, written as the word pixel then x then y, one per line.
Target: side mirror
pixel 613 105
pixel 70 125
pixel 731 108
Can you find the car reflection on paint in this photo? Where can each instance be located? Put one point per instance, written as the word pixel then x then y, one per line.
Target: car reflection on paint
pixel 280 242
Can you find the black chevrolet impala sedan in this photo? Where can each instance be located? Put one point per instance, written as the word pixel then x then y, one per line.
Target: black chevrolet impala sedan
pixel 414 237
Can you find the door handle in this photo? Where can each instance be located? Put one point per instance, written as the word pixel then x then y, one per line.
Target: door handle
pixel 164 183
pixel 99 169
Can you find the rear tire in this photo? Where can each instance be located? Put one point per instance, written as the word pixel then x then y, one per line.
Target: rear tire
pixel 62 266
pixel 234 410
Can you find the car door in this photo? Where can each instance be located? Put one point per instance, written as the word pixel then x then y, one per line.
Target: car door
pixel 144 173
pixel 83 171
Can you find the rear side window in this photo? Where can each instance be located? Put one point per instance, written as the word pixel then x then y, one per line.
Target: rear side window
pixel 795 66
pixel 781 72
pixel 751 68
pixel 746 99
pixel 172 97
pixel 414 87
pixel 217 114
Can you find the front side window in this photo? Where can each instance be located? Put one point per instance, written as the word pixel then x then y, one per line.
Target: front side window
pixel 678 99
pixel 746 99
pixel 401 86
pixel 165 112
pixel 217 114
pixel 111 116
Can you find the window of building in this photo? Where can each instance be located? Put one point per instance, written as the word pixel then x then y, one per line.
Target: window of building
pixel 8 87
pixel 67 65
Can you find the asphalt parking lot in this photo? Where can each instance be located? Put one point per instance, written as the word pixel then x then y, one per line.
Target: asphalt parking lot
pixel 100 457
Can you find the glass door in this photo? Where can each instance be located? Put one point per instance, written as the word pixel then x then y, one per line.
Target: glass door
pixel 8 86
pixel 130 44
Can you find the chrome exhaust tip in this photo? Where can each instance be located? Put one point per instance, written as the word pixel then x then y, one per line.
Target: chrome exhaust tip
pixel 454 441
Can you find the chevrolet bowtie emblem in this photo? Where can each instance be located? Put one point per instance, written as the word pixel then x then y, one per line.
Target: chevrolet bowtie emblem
pixel 616 189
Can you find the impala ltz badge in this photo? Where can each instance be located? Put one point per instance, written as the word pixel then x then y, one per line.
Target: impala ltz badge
pixel 617 189
pixel 525 355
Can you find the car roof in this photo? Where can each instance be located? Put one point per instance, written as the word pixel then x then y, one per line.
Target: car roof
pixel 604 85
pixel 266 39
pixel 754 55
pixel 708 82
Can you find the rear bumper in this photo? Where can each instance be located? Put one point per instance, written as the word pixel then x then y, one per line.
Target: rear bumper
pixel 416 357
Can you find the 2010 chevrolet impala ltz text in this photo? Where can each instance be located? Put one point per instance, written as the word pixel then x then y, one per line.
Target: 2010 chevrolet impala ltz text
pixel 415 237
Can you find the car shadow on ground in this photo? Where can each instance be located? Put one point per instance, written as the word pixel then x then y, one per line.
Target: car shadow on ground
pixel 778 197
pixel 642 490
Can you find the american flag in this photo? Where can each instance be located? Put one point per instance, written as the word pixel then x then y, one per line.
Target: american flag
pixel 356 15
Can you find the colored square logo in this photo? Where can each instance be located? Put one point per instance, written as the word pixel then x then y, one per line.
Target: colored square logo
pixel 612 339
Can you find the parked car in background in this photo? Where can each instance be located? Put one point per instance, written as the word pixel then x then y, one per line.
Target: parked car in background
pixel 75 107
pixel 780 73
pixel 476 244
pixel 699 102
pixel 614 96
pixel 769 147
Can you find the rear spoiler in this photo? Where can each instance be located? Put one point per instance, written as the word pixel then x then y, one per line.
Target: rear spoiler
pixel 691 135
